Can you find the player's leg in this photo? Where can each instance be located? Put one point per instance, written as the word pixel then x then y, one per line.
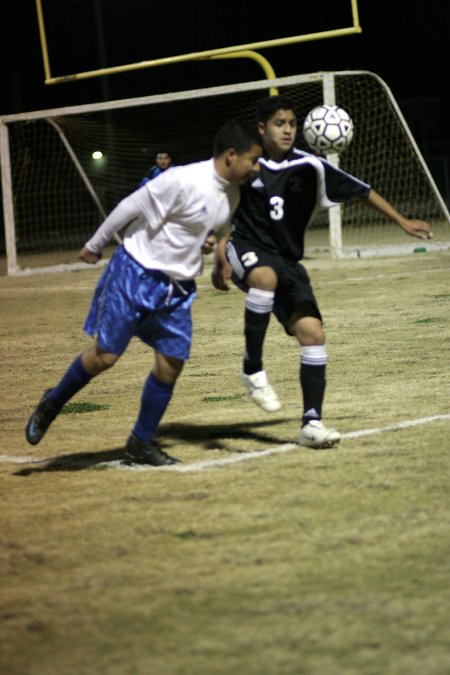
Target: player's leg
pixel 156 395
pixel 168 329
pixel 80 372
pixel 313 361
pixel 309 332
pixel 261 283
pixel 297 310
pixel 255 273
pixel 110 320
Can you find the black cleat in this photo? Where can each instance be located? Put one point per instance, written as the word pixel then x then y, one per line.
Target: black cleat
pixel 40 420
pixel 137 452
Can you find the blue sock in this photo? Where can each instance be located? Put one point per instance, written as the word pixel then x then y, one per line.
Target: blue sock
pixel 156 397
pixel 75 378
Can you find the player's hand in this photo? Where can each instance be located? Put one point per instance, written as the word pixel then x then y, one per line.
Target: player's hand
pixel 418 228
pixel 88 256
pixel 220 275
pixel 209 244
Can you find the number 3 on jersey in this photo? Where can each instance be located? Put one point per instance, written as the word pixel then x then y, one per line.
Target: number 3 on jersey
pixel 277 210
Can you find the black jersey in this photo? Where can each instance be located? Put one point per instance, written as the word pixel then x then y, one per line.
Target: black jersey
pixel 278 205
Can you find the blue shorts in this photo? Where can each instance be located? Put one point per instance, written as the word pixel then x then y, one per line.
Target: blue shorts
pixel 131 300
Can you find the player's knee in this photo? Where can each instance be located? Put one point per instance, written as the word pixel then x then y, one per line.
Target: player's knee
pixel 95 361
pixel 263 278
pixel 308 331
pixel 167 368
pixel 107 360
pixel 314 339
pixel 317 338
pixel 103 361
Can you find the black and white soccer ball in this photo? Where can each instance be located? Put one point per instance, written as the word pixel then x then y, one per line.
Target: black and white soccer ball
pixel 327 129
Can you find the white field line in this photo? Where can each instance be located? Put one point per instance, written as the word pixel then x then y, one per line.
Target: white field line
pixel 18 460
pixel 26 290
pixel 381 275
pixel 244 456
pixel 396 426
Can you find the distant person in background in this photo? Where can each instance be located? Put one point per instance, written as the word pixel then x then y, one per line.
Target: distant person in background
pixel 163 161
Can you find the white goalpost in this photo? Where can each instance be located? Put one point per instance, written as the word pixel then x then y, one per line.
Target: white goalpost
pixel 55 194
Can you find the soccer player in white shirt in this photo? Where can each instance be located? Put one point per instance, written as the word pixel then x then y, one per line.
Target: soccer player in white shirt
pixel 148 286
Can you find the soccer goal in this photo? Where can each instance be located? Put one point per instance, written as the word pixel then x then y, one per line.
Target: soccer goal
pixel 55 194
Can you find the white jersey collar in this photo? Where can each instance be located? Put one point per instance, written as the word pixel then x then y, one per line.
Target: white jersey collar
pixel 222 182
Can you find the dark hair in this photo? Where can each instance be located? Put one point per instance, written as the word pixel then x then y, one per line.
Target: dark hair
pixel 267 107
pixel 236 135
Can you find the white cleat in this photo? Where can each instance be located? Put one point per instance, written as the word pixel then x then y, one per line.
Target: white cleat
pixel 316 435
pixel 260 391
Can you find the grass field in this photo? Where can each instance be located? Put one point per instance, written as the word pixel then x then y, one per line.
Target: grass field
pixel 257 557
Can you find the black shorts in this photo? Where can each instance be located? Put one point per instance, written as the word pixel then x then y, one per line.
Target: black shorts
pixel 294 292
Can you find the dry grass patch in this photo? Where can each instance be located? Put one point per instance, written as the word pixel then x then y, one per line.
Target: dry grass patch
pixel 308 562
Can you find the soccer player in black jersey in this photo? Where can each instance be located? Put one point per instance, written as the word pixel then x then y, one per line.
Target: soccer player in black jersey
pixel 262 257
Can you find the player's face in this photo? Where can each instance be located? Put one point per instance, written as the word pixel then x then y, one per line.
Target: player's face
pixel 278 133
pixel 243 166
pixel 163 160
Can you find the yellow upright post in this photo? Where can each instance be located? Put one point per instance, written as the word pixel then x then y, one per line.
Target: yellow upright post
pixel 263 62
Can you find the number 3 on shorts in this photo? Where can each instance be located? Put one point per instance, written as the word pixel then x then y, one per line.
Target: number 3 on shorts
pixel 249 258
pixel 277 211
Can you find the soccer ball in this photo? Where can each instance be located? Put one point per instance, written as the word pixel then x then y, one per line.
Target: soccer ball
pixel 328 128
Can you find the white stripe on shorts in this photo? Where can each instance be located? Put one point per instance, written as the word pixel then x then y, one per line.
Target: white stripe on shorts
pixel 234 261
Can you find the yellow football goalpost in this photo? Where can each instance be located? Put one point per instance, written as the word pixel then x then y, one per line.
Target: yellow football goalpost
pixel 238 51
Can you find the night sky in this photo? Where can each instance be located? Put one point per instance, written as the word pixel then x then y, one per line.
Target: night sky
pixel 407 44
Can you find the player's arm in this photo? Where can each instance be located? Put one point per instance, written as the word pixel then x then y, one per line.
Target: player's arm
pixel 222 268
pixel 88 256
pixel 126 211
pixel 415 228
pixel 209 243
pixel 151 204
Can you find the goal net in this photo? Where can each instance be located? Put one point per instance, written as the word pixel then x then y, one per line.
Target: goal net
pixel 55 194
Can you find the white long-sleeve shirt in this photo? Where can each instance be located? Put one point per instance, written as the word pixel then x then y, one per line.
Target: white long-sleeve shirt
pixel 169 218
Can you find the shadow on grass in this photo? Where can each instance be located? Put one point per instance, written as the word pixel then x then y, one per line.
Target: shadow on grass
pixel 209 436
pixel 74 462
pixel 213 436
